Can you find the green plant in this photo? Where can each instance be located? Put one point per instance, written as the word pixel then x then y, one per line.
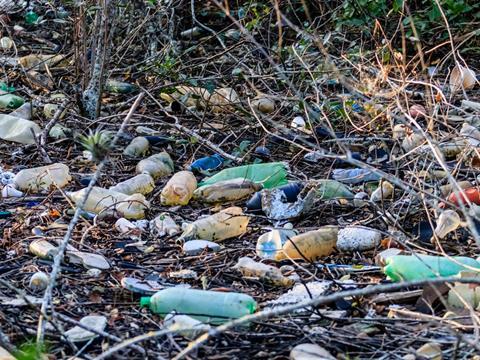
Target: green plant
pixel 98 142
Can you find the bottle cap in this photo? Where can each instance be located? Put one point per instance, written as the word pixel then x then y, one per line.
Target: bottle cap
pixel 145 301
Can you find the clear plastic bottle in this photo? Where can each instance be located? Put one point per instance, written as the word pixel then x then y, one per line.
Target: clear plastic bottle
pixel 310 245
pixel 16 126
pixel 420 267
pixel 267 273
pixel 206 306
pixel 140 184
pixel 109 201
pixel 158 165
pixel 227 190
pixel 179 189
pixel 447 222
pixel 226 224
pixel 43 178
pixel 137 147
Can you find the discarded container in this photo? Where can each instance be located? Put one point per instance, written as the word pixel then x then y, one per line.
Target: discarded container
pixel 140 184
pixel 49 110
pixel 18 129
pixel 276 206
pixel 10 101
pixel 462 295
pixel 163 225
pixel 189 96
pixel 179 189
pixel 79 334
pixel 195 247
pixel 39 61
pixel 264 105
pixel 10 191
pixel 228 223
pixel 471 133
pixel 125 226
pixel 447 222
pixel 6 43
pixel 310 245
pixel 206 306
pixel 300 124
pixel 39 281
pixel 356 238
pixel 139 146
pixel 310 352
pixel 222 100
pixel 206 163
pixel 43 178
pixel 158 165
pixel 227 190
pixel 108 201
pixel 383 192
pixel 355 176
pixel 269 175
pixel 332 189
pixel 59 132
pixel 185 325
pixel 272 242
pixel 471 195
pixel 266 273
pixel 462 77
pixel 119 87
pixel 290 191
pixel 419 267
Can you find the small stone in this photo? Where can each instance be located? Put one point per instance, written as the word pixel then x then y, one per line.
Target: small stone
pixel 195 247
pixel 356 238
pixel 310 352
pixel 78 334
pixel 430 351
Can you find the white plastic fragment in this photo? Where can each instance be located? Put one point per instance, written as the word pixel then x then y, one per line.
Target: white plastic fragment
pixel 10 191
pixel 195 247
pixel 185 325
pixel 78 334
pixel 356 238
pixel 164 225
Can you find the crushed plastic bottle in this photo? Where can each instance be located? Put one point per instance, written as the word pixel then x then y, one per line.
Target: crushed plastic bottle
pixel 276 206
pixel 140 184
pixel 108 201
pixel 228 190
pixel 355 176
pixel 163 225
pixel 420 267
pixel 290 191
pixel 179 189
pixel 269 175
pixel 228 223
pixel 139 146
pixel 207 306
pixel 206 163
pixel 185 325
pixel 17 127
pixel 310 245
pixel 266 273
pixel 10 101
pixel 448 221
pixel 43 178
pixel 158 165
pixel 332 189
pixel 272 242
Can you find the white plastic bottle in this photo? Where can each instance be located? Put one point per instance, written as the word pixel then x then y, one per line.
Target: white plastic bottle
pixel 140 184
pixel 43 178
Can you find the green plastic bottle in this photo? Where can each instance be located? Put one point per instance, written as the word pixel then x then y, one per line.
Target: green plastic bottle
pixel 119 87
pixel 270 175
pixel 10 101
pixel 419 267
pixel 207 306
pixel 5 87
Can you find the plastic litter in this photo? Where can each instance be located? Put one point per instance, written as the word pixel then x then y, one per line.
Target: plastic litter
pixel 10 101
pixel 310 352
pixel 227 190
pixel 355 176
pixel 158 165
pixel 119 87
pixel 39 281
pixel 276 206
pixel 10 191
pixel 110 202
pixel 356 238
pixel 43 178
pixel 447 222
pixel 17 127
pixel 310 245
pixel 272 242
pixel 291 192
pixel 195 247
pixel 383 192
pixel 164 225
pixel 139 146
pixel 269 175
pixel 462 77
pixel 228 223
pixel 266 273
pixel 206 306
pixel 179 189
pixel 206 163
pixel 78 334
pixel 419 267
pixel 140 184
pixel 264 105
pixel 185 325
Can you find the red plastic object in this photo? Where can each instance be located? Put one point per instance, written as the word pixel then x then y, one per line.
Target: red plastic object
pixel 472 194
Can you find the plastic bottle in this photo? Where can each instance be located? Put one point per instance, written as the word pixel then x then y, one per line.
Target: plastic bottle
pixel 358 238
pixel 310 245
pixel 332 189
pixel 43 178
pixel 5 87
pixel 140 184
pixel 383 192
pixel 137 147
pixel 419 267
pixel 119 87
pixel 264 105
pixel 179 189
pixel 39 61
pixel 109 201
pixel 158 165
pixel 17 127
pixel 291 192
pixel 206 163
pixel 225 224
pixel 447 222
pixel 10 101
pixel 206 306
pixel 163 225
pixel 228 190
pixel 272 242
pixel 267 273
pixel 355 176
